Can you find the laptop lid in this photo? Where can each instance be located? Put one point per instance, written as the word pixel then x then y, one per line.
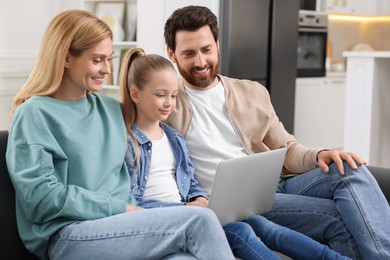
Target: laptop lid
pixel 246 186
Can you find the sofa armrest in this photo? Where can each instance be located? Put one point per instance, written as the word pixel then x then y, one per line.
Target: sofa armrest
pixel 11 246
pixel 382 175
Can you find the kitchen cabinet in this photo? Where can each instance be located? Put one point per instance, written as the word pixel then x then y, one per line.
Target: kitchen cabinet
pixel 338 6
pixel 358 7
pixel 319 111
pixel 367 124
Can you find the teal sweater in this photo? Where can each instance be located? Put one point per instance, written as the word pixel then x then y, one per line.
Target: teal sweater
pixel 66 161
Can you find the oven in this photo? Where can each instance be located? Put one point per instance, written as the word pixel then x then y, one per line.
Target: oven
pixel 312 43
pixel 312 5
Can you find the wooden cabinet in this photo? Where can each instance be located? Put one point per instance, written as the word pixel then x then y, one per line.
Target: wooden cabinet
pixel 358 7
pixel 319 111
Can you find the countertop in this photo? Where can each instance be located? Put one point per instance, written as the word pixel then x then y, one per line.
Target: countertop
pixel 366 54
pixel 336 74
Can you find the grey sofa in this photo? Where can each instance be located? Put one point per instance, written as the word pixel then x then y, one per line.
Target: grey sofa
pixel 11 246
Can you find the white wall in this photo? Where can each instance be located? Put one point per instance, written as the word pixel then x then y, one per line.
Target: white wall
pixel 22 23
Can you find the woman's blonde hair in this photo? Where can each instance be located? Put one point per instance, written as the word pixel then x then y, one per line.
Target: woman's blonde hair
pixel 72 31
pixel 136 71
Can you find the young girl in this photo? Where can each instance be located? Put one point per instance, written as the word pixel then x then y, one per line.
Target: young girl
pixel 162 173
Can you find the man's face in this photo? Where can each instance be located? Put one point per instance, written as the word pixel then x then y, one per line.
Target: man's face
pixel 196 57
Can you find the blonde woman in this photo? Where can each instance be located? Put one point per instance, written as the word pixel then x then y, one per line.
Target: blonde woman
pixel 66 155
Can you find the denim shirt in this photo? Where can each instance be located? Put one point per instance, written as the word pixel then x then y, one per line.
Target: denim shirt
pixel 186 183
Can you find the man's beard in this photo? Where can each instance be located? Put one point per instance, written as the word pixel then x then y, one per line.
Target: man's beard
pixel 199 81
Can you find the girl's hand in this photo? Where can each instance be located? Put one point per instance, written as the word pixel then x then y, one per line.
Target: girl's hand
pixel 200 202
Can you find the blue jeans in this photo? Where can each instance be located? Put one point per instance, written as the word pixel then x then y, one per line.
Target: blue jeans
pixel 256 237
pixel 350 213
pixel 162 233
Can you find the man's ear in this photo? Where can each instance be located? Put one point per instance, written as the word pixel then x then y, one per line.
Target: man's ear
pixel 134 93
pixel 171 55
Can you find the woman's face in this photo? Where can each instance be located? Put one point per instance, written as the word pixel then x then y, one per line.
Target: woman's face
pixel 86 72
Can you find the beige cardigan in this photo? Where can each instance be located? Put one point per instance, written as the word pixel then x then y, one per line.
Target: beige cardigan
pixel 253 117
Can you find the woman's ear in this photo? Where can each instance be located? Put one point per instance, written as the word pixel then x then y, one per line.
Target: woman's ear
pixel 67 61
pixel 134 93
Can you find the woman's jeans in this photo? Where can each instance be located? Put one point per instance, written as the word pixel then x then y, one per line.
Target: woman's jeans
pixel 349 213
pixel 256 237
pixel 165 233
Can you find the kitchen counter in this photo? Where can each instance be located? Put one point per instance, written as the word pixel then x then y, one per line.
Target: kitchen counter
pixel 367 106
pixel 366 54
pixel 335 74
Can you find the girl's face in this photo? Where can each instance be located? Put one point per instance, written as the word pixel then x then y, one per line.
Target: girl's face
pixel 157 99
pixel 86 72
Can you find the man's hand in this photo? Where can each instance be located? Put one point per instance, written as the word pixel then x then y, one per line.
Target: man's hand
pixel 199 201
pixel 326 157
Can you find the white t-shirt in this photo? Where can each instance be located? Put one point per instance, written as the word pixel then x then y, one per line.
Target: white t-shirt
pixel 161 183
pixel 211 137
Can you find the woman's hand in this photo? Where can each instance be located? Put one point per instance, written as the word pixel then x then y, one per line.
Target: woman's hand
pixel 132 208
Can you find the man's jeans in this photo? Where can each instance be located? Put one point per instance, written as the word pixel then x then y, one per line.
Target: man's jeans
pixel 350 213
pixel 184 232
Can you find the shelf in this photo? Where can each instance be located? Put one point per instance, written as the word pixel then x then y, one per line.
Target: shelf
pixel 129 23
pixel 124 44
pixel 94 1
pixel 119 47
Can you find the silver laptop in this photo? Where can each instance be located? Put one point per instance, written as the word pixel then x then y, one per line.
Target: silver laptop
pixel 246 186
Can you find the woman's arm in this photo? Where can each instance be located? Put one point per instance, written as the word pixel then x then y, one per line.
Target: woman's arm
pixel 50 167
pixel 34 170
